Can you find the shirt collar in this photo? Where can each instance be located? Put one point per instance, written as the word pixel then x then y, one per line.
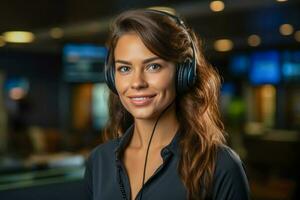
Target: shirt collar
pixel 123 141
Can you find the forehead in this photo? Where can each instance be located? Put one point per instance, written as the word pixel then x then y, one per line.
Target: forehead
pixel 130 46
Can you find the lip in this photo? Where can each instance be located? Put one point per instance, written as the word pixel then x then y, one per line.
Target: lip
pixel 141 100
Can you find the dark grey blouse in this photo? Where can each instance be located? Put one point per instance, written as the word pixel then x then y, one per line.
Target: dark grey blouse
pixel 106 178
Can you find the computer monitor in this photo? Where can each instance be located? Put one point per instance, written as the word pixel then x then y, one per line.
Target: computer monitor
pixel 83 62
pixel 239 64
pixel 291 66
pixel 265 68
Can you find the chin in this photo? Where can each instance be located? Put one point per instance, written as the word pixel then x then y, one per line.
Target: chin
pixel 143 113
pixel 149 112
pixel 143 117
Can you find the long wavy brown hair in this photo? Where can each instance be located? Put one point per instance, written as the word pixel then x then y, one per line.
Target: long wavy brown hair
pixel 197 110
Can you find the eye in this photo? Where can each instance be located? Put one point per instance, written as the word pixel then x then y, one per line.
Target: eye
pixel 153 67
pixel 123 69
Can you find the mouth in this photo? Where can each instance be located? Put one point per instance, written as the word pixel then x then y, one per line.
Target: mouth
pixel 141 100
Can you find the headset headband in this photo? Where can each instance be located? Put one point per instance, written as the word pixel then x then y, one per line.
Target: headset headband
pixel 186 71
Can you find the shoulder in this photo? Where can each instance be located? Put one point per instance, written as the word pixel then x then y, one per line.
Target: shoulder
pixel 230 180
pixel 104 151
pixel 227 159
pixel 99 161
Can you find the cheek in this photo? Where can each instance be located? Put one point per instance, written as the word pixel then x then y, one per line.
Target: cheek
pixel 123 101
pixel 121 83
pixel 164 83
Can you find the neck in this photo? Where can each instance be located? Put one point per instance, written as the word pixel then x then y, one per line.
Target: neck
pixel 165 130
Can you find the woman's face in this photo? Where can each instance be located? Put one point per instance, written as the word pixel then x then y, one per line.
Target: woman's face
pixel 145 82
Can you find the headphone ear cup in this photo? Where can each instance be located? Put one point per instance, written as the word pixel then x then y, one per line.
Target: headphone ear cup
pixel 190 73
pixel 110 76
pixel 112 79
pixel 185 76
pixel 179 81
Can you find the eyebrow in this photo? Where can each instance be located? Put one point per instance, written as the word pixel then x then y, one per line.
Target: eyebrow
pixel 144 61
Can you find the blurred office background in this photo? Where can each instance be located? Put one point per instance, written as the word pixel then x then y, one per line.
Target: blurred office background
pixel 53 99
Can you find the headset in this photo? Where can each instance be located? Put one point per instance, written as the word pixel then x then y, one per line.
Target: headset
pixel 185 72
pixel 185 79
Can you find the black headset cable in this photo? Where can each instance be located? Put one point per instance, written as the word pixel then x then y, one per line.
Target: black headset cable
pixel 146 159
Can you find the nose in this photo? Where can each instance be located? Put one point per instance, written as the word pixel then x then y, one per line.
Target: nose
pixel 138 81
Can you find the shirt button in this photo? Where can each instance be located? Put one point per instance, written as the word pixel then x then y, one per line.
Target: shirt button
pixel 164 152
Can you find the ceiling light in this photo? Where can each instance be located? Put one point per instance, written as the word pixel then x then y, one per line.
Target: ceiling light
pixel 18 36
pixel 286 29
pixel 17 93
pixel 254 40
pixel 281 0
pixel 297 36
pixel 217 6
pixel 56 33
pixel 223 45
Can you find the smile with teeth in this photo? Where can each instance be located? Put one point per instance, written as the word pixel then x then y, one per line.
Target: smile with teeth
pixel 141 101
pixel 139 98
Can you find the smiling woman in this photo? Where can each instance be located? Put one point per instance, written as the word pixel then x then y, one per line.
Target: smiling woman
pixel 145 82
pixel 162 84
